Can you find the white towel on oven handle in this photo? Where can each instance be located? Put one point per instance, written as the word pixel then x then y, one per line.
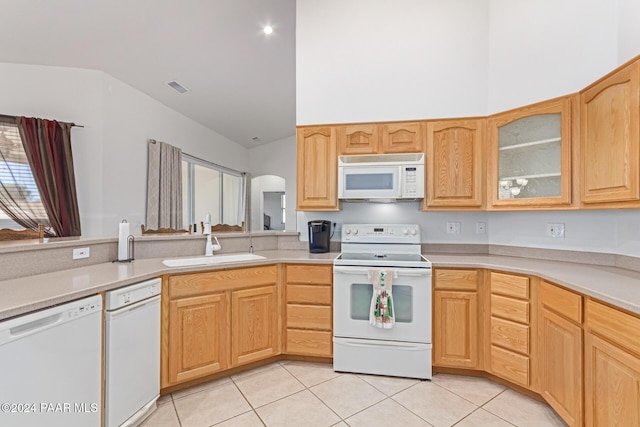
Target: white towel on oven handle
pixel 381 310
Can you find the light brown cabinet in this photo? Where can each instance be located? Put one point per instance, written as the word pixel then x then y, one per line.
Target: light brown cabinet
pixel 455 159
pixel 530 155
pixel 217 320
pixel 317 169
pixel 254 324
pixel 610 136
pixel 385 138
pixel 510 336
pixel 560 336
pixel 407 137
pixel 309 310
pixel 612 367
pixel 198 337
pixel 456 326
pixel 358 139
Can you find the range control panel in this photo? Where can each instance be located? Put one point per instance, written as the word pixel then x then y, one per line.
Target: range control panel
pixel 381 233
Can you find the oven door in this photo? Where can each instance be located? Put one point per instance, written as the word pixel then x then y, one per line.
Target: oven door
pixel 352 293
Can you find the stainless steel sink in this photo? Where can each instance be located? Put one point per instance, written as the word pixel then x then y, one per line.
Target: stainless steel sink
pixel 210 260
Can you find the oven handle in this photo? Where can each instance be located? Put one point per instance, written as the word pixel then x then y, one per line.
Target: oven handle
pixel 406 272
pixel 369 344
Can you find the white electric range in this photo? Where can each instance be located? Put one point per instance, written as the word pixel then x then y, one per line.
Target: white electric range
pixel 358 346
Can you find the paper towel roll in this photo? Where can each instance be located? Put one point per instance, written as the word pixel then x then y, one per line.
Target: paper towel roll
pixel 123 246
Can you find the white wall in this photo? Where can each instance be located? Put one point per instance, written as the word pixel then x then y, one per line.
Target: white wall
pixel 377 60
pixel 110 152
pixel 629 30
pixel 277 158
pixel 543 49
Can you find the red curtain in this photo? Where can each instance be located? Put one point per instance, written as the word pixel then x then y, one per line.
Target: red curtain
pixel 47 144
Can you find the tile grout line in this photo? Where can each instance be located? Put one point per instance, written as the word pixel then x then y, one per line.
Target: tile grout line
pixel 464 398
pixel 318 397
pixel 496 415
pixel 248 403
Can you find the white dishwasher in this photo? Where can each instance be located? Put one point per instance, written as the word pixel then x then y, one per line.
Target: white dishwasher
pixel 132 353
pixel 51 364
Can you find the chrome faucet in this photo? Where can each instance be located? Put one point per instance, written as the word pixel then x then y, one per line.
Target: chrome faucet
pixel 210 247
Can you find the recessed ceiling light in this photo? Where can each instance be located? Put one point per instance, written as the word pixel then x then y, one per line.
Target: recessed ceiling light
pixel 268 29
pixel 177 86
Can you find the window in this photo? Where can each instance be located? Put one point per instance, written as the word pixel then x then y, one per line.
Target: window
pixel 209 188
pixel 18 189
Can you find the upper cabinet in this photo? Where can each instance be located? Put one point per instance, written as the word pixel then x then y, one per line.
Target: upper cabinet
pixel 317 174
pixel 358 139
pixel 610 117
pixel 530 155
pixel 372 138
pixel 455 172
pixel 402 137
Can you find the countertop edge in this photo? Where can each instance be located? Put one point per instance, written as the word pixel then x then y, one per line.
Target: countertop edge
pixel 561 273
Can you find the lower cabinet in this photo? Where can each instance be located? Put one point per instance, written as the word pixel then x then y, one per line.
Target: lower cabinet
pixel 254 324
pixel 560 336
pixel 309 311
pixel 199 345
pixel 510 331
pixel 612 367
pixel 456 322
pixel 218 320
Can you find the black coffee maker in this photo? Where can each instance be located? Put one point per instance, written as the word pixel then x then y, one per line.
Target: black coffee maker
pixel 319 236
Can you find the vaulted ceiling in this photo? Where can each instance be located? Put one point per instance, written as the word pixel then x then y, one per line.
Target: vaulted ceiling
pixel 241 81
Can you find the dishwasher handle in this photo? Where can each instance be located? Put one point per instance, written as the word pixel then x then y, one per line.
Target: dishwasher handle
pixel 35 325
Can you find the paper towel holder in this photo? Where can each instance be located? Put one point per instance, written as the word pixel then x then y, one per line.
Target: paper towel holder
pixel 130 248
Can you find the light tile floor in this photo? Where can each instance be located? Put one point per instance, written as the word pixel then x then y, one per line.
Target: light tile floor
pixel 291 393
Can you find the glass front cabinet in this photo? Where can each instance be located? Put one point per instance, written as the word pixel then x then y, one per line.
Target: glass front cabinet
pixel 530 156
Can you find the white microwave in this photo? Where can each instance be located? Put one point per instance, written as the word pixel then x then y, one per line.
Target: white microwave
pixel 381 177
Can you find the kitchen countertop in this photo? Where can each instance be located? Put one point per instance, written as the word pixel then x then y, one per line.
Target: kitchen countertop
pixel 616 286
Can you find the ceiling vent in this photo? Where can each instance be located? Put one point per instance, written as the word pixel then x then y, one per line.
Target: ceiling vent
pixel 256 139
pixel 177 87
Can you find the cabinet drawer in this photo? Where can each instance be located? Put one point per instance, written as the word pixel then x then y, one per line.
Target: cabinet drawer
pixel 310 343
pixel 309 274
pixel 309 294
pixel 202 283
pixel 616 325
pixel 308 317
pixel 463 280
pixel 510 285
pixel 510 366
pixel 510 335
pixel 563 302
pixel 509 308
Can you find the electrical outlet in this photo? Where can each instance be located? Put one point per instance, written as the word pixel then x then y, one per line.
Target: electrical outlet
pixel 555 230
pixel 453 228
pixel 481 227
pixel 80 253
